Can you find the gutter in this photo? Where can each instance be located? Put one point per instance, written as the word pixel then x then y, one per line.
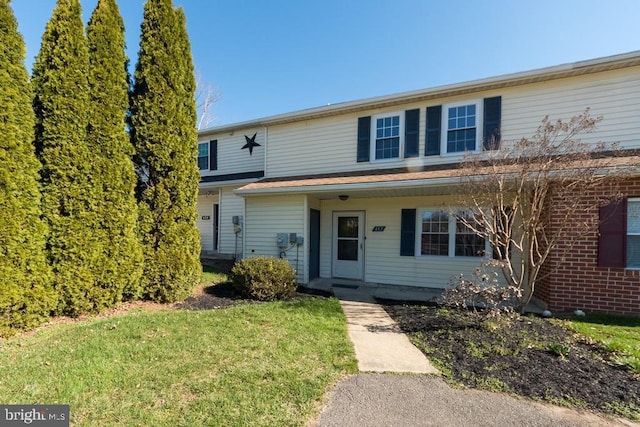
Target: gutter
pixel 630 59
pixel 328 188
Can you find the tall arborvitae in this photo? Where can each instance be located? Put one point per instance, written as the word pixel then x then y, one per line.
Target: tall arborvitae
pixel 61 105
pixel 26 295
pixel 120 267
pixel 163 128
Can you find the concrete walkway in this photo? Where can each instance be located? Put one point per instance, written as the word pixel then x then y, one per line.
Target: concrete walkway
pixel 377 398
pixel 379 344
pixel 367 400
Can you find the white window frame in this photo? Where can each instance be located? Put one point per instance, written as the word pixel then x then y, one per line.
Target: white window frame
pixel 444 126
pixel 452 235
pixel 372 145
pixel 630 200
pixel 208 155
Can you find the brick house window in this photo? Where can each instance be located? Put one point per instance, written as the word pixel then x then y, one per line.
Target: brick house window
pixel 633 233
pixel 619 234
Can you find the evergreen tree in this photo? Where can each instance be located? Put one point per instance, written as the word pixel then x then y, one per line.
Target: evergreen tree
pixel 163 129
pixel 26 295
pixel 114 178
pixel 61 106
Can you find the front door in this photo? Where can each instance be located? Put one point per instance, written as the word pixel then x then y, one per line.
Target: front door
pixel 348 245
pixel 216 225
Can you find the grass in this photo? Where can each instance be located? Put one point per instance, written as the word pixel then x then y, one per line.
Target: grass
pixel 252 364
pixel 212 275
pixel 618 334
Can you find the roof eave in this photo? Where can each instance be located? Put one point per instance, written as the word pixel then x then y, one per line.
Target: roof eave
pixel 608 63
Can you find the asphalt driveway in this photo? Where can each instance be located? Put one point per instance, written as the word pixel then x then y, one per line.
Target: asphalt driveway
pixel 365 400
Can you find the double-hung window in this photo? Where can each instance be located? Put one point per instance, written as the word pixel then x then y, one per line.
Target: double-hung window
pixel 435 233
pixel 461 123
pixel 468 243
pixel 203 156
pixel 445 234
pixel 388 134
pixel 633 233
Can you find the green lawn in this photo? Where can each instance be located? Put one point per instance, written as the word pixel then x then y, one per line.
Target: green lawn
pixel 212 275
pixel 618 334
pixel 252 364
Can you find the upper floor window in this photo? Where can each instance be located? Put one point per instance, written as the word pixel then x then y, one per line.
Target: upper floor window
pixel 461 122
pixel 445 234
pixel 463 126
pixel 203 156
pixel 388 136
pixel 387 141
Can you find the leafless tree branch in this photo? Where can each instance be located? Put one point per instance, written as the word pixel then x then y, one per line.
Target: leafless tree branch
pixel 510 192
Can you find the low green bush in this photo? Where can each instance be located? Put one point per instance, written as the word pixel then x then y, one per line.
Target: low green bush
pixel 264 278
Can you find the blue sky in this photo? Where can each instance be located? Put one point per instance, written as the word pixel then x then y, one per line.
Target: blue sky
pixel 267 57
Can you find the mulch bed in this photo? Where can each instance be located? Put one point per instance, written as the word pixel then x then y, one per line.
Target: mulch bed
pixel 223 295
pixel 512 353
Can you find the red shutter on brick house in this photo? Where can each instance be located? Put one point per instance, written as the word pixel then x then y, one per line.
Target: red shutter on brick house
pixel 612 236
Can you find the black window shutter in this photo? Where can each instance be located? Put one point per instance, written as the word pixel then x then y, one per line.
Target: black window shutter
pixel 612 238
pixel 364 138
pixel 411 132
pixel 213 155
pixel 434 120
pixel 408 232
pixel 491 125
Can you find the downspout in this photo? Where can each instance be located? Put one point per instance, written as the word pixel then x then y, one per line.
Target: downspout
pixel 244 226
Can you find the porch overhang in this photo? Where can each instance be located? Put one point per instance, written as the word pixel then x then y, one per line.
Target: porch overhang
pixel 376 183
pixel 403 182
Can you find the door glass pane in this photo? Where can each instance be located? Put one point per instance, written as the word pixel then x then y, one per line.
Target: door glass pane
pixel 348 250
pixel 348 226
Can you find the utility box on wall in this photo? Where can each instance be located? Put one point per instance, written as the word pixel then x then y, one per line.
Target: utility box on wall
pixel 282 240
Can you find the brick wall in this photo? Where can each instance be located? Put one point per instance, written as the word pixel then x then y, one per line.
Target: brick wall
pixel 576 281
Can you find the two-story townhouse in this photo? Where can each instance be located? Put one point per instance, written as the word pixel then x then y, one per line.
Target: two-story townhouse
pixel 368 186
pixel 227 159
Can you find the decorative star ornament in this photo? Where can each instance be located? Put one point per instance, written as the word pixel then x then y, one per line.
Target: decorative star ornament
pixel 251 142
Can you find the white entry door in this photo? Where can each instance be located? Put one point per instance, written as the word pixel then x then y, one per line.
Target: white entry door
pixel 348 245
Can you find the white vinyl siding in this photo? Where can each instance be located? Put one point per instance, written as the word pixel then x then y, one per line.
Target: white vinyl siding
pixel 614 95
pixel 266 216
pixel 230 206
pixel 232 159
pixel 383 263
pixel 205 226
pixel 331 142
